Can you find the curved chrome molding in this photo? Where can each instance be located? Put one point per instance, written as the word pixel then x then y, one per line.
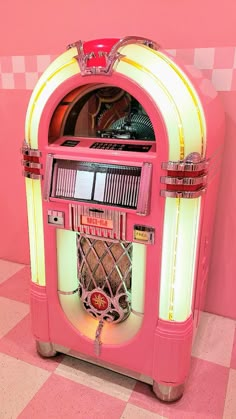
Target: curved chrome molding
pixel 110 57
pixel 32 165
pixel 27 151
pixel 32 175
pixel 185 166
pixel 183 194
pixel 67 292
pixel 168 180
pixel 137 313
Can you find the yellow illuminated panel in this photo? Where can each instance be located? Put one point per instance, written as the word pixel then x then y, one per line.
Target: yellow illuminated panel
pixel 61 69
pixel 35 224
pixel 182 93
pixel 66 260
pixel 179 257
pixel 138 277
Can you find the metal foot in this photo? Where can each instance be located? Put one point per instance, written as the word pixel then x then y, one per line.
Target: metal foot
pixel 168 393
pixel 45 349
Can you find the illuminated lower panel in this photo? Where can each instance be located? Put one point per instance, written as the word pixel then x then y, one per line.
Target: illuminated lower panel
pixel 35 224
pixel 73 305
pixel 179 258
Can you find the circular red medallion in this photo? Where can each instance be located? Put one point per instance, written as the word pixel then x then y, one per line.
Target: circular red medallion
pixel 99 300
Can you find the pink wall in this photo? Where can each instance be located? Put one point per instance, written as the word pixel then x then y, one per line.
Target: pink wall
pixel 29 29
pixel 45 27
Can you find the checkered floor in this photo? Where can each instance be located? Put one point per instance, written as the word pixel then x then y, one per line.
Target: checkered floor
pixel 63 387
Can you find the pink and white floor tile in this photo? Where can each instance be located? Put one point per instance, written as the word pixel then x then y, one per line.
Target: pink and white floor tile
pixel 64 387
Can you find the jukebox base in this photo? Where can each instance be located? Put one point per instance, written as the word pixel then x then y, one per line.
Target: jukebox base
pixel 165 393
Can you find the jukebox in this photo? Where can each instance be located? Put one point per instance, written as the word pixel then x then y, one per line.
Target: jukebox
pixel 121 159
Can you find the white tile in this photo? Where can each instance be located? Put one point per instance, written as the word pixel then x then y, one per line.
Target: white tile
pixel 222 79
pixel 7 269
pixel 11 312
pixel 18 64
pixel 230 400
pixel 31 79
pixel 214 340
pixel 19 382
pixel 97 378
pixel 204 58
pixel 134 412
pixel 172 52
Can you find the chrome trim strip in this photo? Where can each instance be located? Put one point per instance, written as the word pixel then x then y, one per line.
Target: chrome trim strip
pixel 32 175
pixel 169 180
pixel 185 166
pixel 27 151
pixel 32 165
pixel 182 194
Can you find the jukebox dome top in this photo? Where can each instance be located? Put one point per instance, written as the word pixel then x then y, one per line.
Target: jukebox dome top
pixel 172 95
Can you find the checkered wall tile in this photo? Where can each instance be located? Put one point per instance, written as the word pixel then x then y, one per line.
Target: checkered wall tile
pixel 217 64
pixel 22 72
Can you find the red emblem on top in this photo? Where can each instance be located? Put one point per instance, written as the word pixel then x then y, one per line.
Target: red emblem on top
pixel 99 301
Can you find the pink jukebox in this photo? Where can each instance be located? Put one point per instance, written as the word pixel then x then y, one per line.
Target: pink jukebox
pixel 121 159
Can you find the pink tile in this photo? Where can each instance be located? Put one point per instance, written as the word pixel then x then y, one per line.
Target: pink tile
pixel 207 74
pixel 11 312
pixel 7 269
pixel 31 63
pixel 18 64
pixel 186 55
pixel 52 57
pixel 43 62
pixel 230 401
pixel 17 287
pixel 214 340
pixel 6 64
pixel 61 398
pixel 0 81
pixel 18 384
pixel 224 57
pixel 20 82
pixel 203 398
pixel 233 356
pixel 19 343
